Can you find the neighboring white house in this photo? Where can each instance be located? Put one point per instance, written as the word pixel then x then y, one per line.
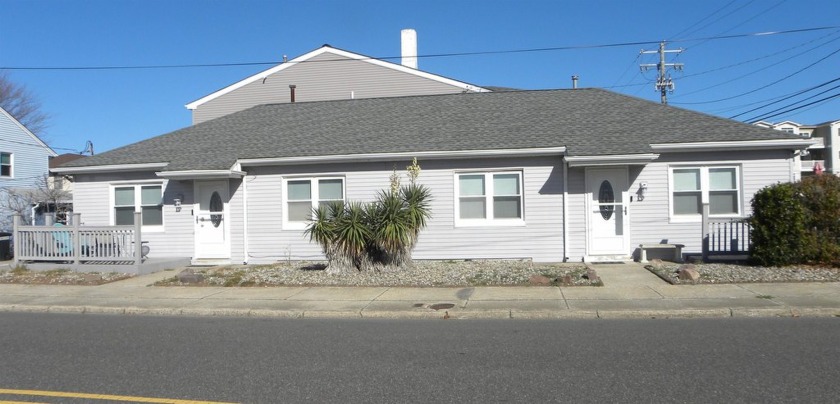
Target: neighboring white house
pixel 824 154
pixel 550 175
pixel 328 73
pixel 24 162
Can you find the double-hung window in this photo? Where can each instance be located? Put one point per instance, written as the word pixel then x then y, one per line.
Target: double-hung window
pixel 303 195
pixel 146 199
pixel 5 164
pixel 492 198
pixel 693 186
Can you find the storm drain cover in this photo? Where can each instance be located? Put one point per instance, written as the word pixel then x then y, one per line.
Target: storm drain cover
pixel 441 306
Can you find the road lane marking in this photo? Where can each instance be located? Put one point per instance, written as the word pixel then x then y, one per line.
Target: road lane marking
pixel 20 402
pixel 157 400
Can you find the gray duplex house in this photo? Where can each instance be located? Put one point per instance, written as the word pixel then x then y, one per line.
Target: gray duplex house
pixel 548 175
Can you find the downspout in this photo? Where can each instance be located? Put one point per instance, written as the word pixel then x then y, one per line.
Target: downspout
pixel 245 218
pixel 565 209
pixel 32 213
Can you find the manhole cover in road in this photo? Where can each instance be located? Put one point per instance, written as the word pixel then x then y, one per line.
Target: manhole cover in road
pixel 441 306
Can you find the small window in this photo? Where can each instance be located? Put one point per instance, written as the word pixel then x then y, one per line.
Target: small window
pixel 717 186
pixel 489 198
pixel 5 164
pixel 146 199
pixel 305 195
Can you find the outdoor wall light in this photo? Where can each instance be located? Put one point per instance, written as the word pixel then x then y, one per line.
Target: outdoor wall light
pixel 642 191
pixel 177 202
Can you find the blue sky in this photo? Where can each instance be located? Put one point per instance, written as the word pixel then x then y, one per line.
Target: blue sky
pixel 116 107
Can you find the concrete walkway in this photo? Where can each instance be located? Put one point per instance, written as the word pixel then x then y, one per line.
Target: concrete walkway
pixel 629 291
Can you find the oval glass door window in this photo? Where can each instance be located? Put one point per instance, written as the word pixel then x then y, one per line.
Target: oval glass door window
pixel 606 198
pixel 216 206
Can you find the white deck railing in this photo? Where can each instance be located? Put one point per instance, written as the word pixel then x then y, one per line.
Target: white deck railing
pixel 724 236
pixel 78 244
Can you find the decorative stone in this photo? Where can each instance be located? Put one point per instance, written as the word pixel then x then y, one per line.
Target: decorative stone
pixel 688 274
pixel 591 275
pixel 567 279
pixel 188 276
pixel 656 262
pixel 539 280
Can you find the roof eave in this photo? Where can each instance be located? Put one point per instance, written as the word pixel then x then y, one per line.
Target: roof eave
pixel 200 174
pixel 425 155
pixel 611 160
pixel 791 144
pixel 111 168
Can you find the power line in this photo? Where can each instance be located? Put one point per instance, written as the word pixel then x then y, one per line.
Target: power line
pixel 759 88
pixel 687 31
pixel 438 55
pixel 721 17
pixel 761 118
pixel 784 98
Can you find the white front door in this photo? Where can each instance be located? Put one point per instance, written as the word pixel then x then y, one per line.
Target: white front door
pixel 211 221
pixel 607 211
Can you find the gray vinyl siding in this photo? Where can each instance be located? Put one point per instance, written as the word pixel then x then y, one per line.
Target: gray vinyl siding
pixel 650 221
pixel 324 77
pixel 91 198
pixel 541 238
pixel 30 159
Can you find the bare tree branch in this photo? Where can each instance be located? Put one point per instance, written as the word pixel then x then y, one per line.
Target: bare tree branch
pixel 18 101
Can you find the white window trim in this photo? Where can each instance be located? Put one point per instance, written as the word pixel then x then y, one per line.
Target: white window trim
pixel 704 191
pixel 489 221
pixel 11 165
pixel 313 181
pixel 137 205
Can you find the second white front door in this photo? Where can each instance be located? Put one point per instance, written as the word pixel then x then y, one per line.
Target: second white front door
pixel 211 228
pixel 607 216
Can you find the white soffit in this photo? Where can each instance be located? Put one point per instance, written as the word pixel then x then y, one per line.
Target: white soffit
pixel 427 155
pixel 610 160
pixel 109 168
pixel 200 174
pixel 735 145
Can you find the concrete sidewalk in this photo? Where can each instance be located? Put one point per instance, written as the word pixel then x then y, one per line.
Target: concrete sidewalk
pixel 629 291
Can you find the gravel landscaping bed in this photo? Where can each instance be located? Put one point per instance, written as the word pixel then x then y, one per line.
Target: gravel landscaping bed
pixel 423 273
pixel 60 277
pixel 716 273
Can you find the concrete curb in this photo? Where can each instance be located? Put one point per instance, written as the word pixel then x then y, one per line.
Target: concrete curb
pixel 456 314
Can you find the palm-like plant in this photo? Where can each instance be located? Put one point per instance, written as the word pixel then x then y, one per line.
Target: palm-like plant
pixel 356 235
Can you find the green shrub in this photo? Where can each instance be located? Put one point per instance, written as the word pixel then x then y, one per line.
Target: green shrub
pixel 797 223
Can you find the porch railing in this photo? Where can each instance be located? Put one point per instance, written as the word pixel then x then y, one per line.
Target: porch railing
pixel 724 236
pixel 78 244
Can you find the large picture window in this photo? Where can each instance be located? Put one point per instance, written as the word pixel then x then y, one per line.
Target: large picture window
pixel 303 195
pixel 147 199
pixel 489 198
pixel 693 186
pixel 5 164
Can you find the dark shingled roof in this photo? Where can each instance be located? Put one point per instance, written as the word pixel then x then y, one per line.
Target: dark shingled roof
pixel 585 121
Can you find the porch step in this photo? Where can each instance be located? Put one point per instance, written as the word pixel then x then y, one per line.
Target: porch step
pixel 209 262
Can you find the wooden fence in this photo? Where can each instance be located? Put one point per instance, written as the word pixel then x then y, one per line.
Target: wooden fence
pixel 78 244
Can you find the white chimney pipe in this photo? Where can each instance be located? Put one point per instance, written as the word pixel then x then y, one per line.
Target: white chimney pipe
pixel 409 48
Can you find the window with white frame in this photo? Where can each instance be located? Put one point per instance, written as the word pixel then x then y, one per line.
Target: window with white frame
pixel 5 164
pixel 303 195
pixel 489 198
pixel 693 186
pixel 146 199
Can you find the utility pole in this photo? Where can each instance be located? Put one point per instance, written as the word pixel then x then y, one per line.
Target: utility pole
pixel 664 84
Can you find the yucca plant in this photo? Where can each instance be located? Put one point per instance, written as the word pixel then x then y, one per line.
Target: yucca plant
pixel 383 232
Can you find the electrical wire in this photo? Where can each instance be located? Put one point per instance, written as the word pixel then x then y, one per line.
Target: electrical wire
pixel 687 31
pixel 755 89
pixel 785 98
pixel 438 55
pixel 761 118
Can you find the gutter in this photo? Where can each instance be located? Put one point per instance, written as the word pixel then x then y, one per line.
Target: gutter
pixel 426 155
pixel 735 145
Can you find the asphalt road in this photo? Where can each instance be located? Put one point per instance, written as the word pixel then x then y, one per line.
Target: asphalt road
pixel 272 361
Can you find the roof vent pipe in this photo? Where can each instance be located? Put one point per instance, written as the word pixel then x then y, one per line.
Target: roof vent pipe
pixel 409 48
pixel 574 81
pixel 292 92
